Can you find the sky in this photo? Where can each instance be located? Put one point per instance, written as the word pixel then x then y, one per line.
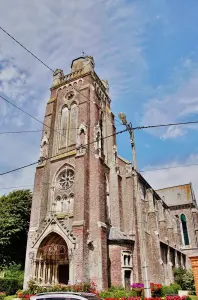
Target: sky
pixel 147 50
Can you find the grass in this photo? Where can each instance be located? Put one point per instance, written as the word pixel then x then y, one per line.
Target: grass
pixel 10 297
pixel 193 297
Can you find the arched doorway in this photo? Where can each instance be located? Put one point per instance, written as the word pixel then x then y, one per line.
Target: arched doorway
pixel 52 263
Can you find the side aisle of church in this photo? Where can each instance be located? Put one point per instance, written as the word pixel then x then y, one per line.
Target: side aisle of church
pixel 84 223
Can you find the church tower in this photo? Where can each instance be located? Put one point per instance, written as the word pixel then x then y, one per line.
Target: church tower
pixel 67 240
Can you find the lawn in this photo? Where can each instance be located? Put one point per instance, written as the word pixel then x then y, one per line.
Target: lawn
pixel 14 296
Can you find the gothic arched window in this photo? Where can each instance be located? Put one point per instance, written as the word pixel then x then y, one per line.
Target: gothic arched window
pixel 68 125
pixel 58 204
pixel 64 126
pixel 185 230
pixel 73 124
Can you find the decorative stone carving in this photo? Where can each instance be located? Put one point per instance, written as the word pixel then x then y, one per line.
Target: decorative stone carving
pixel 149 193
pixel 44 147
pixel 66 178
pixel 128 170
pixel 82 140
pixel 97 139
pixel 86 63
pixel 58 77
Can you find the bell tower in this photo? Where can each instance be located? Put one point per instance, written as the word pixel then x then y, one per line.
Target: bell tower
pixel 69 207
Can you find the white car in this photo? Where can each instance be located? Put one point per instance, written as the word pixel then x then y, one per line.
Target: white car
pixel 65 296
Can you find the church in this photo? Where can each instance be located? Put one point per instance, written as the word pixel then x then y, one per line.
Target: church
pixel 84 223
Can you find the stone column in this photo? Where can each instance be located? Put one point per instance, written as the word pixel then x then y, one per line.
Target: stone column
pixel 53 273
pixel 34 269
pixel 39 270
pixel 48 273
pixel 44 272
pixel 194 262
pixel 56 273
pixel 170 267
pixel 150 199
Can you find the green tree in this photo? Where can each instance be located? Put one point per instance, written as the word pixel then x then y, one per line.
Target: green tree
pixel 14 223
pixel 184 278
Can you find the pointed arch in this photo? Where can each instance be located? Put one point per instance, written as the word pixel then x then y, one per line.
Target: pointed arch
pixel 184 230
pixel 52 262
pixel 73 124
pixel 64 126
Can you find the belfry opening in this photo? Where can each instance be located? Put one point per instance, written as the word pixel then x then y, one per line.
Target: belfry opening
pixel 52 264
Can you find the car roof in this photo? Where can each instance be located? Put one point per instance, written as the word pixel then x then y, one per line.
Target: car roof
pixel 59 294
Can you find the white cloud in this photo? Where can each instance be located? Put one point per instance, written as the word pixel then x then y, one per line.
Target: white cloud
pixel 175 106
pixel 175 176
pixel 57 34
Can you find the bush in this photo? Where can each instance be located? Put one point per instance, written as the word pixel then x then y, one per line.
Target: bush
pixel 167 290
pixel 176 287
pixel 14 272
pixel 185 279
pixel 9 286
pixel 118 292
pixel 2 295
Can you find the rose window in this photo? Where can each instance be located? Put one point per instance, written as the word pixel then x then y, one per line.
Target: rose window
pixel 66 179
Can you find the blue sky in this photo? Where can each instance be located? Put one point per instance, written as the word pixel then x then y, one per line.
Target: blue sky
pixel 147 50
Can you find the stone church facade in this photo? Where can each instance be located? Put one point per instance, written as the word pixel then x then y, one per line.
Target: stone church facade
pixel 84 223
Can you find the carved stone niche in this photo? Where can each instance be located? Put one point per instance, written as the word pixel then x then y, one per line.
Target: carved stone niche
pixel 44 147
pixel 82 140
pixel 128 170
pixel 97 140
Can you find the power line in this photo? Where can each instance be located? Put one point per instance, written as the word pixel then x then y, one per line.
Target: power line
pixel 165 125
pixel 157 169
pixel 38 130
pixel 167 168
pixel 36 162
pixel 16 187
pixel 26 49
pixel 44 63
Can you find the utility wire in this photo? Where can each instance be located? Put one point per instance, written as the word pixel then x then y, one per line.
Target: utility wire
pixel 26 49
pixel 167 168
pixel 31 116
pixel 38 130
pixel 135 128
pixel 149 170
pixel 36 162
pixel 165 125
pixel 45 64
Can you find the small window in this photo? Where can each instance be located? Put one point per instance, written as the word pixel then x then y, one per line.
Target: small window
pixel 127 259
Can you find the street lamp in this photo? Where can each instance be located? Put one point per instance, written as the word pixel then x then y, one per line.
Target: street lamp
pixel 147 290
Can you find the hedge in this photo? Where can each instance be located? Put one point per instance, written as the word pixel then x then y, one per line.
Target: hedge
pixel 10 286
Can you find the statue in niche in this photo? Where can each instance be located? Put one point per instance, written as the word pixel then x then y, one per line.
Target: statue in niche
pixel 81 139
pixel 44 147
pixel 97 143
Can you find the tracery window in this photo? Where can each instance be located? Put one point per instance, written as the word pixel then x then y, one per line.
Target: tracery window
pixel 66 179
pixel 64 204
pixel 68 125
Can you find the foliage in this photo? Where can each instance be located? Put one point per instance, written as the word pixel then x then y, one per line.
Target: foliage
pixel 34 288
pixel 2 295
pixel 14 271
pixel 170 289
pixel 9 286
pixel 14 222
pixel 118 292
pixel 184 278
pixel 11 297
